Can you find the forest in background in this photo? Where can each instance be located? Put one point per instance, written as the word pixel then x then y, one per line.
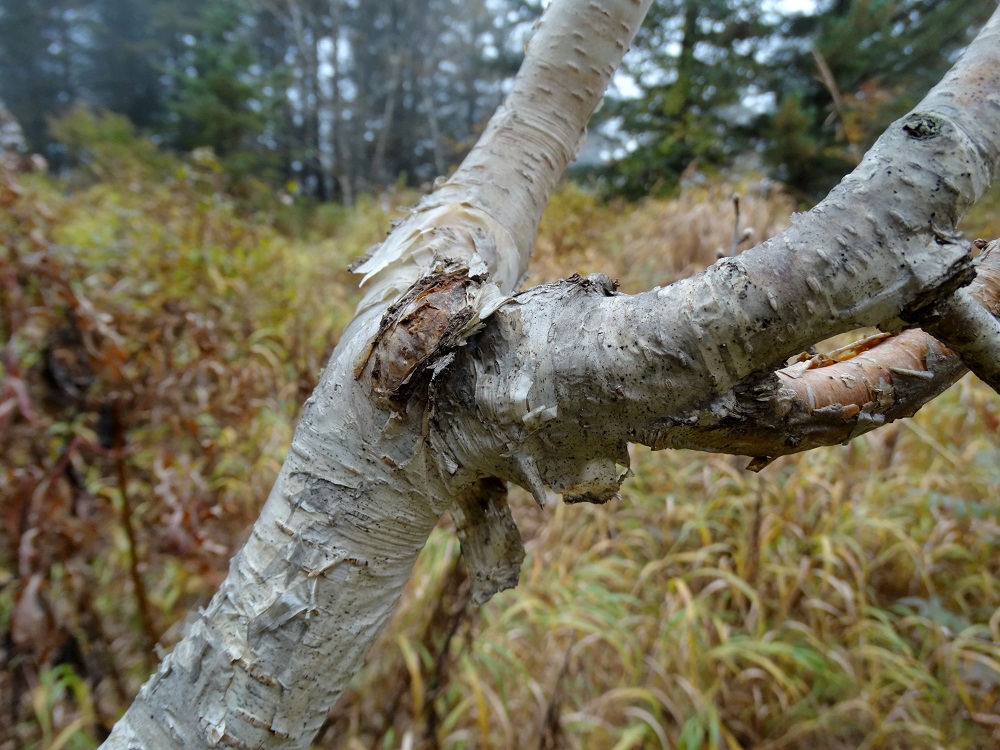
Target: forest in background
pixel 331 99
pixel 165 310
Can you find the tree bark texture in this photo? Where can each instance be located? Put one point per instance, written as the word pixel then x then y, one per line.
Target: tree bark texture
pixel 360 490
pixel 448 382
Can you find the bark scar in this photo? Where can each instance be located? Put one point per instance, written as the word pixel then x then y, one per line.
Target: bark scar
pixel 431 318
pixel 921 126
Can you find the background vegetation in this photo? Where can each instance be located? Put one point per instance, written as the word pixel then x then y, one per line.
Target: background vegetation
pixel 332 99
pixel 167 300
pixel 158 340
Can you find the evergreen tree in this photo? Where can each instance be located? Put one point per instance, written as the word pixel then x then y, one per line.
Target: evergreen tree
pixel 223 100
pixel 110 54
pixel 425 85
pixel 126 55
pixel 695 63
pixel 849 70
pixel 38 62
pixel 349 96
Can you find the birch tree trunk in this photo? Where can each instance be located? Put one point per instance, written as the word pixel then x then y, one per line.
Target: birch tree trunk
pixel 448 382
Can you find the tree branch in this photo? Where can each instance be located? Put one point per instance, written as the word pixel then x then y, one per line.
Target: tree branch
pixel 441 383
pixel 360 492
pixel 567 374
pixel 970 330
pixel 830 399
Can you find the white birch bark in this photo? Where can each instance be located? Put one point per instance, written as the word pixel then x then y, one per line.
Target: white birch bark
pixel 444 383
pixel 360 491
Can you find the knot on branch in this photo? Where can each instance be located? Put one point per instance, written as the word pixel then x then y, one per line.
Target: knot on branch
pixel 921 126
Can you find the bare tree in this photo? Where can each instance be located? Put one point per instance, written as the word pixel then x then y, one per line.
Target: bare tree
pixel 448 384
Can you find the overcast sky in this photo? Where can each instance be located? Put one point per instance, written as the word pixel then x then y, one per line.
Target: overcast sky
pixel 794 5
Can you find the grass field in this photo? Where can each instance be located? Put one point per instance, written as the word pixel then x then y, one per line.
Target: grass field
pixel 159 338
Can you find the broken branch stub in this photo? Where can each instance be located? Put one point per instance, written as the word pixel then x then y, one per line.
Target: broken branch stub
pixel 968 323
pixel 491 542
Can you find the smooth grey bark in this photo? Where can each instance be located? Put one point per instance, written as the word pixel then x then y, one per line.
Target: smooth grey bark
pixel 445 384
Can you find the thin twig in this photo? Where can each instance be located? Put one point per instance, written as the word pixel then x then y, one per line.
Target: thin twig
pixel 826 77
pixel 736 225
pixel 128 525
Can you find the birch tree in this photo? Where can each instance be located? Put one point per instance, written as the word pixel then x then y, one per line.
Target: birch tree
pixel 449 384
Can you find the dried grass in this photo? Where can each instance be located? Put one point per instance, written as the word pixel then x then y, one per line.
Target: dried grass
pixel 847 598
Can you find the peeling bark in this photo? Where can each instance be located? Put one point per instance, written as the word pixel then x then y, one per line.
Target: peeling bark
pixel 360 490
pixel 970 330
pixel 830 399
pixel 444 384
